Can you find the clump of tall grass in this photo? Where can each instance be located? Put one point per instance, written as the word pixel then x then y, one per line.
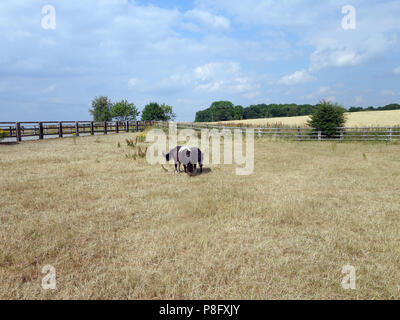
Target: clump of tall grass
pixel 131 143
pixel 138 153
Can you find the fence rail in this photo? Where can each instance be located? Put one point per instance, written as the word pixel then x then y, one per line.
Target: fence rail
pixel 309 134
pixel 41 129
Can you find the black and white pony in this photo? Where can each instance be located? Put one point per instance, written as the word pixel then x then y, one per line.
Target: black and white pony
pixel 174 154
pixel 189 157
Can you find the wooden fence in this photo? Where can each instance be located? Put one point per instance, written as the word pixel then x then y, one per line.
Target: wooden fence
pixel 308 134
pixel 41 129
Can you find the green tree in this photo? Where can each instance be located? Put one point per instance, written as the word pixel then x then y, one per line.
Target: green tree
pixel 101 109
pixel 168 113
pixel 222 111
pixel 238 113
pixel 154 112
pixel 327 118
pixel 123 111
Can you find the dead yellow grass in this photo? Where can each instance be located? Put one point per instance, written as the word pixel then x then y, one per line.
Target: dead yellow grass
pixel 117 228
pixel 354 119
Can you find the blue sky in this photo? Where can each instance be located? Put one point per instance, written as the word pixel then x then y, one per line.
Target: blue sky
pixel 191 53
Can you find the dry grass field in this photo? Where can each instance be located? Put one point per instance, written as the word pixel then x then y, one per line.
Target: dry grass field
pixel 354 119
pixel 115 228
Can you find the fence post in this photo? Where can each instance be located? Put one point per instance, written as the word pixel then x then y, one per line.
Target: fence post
pixel 137 126
pixel 319 135
pixel 341 134
pixel 298 134
pixel 105 127
pixel 278 132
pixel 259 132
pixel 117 127
pixel 127 126
pixel 92 128
pixel 40 130
pixel 364 133
pixel 18 131
pixel 77 128
pixel 390 133
pixel 60 130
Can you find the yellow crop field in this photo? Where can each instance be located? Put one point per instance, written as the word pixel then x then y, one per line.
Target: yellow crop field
pixel 354 119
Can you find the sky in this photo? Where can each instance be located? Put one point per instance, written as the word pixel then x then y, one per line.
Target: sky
pixel 57 55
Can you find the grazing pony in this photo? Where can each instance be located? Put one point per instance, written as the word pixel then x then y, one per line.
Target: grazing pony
pixel 173 154
pixel 190 158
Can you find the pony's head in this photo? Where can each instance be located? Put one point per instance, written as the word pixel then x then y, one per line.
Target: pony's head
pixel 190 169
pixel 166 156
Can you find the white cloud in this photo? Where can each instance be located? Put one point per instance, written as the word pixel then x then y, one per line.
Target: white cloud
pixel 319 25
pixel 396 71
pixel 348 51
pixel 225 77
pixel 207 19
pixel 161 50
pixel 132 82
pixel 268 12
pixel 50 88
pixel 387 93
pixel 299 77
pixel 216 69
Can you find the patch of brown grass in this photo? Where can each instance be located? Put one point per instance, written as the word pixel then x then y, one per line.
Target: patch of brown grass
pixel 117 228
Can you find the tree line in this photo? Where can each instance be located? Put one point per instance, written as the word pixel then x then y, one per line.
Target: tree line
pixel 393 106
pixel 226 111
pixel 103 109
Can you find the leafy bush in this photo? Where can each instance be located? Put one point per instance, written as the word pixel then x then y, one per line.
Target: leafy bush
pixel 101 109
pixel 327 118
pixel 123 110
pixel 155 112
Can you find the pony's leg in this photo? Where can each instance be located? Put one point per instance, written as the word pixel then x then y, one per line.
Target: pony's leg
pixel 195 169
pixel 184 167
pixel 176 167
pixel 201 168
